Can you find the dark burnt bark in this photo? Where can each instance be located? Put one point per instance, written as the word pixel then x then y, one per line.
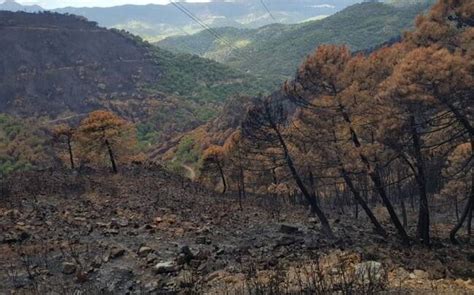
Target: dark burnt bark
pixel 111 156
pixel 71 156
pixel 378 228
pixel 423 227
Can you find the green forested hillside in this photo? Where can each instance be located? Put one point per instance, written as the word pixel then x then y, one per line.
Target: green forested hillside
pixel 204 80
pixel 21 145
pixel 277 50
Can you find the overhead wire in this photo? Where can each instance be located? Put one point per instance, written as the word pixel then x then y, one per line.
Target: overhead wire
pixel 213 32
pixel 268 10
pixel 182 8
pixel 195 18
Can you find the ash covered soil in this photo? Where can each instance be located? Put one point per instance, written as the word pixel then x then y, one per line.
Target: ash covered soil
pixel 144 231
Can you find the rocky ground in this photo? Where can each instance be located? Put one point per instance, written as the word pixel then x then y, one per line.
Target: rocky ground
pixel 147 232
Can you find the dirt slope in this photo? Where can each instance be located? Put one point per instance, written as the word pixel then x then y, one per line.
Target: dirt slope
pixel 146 231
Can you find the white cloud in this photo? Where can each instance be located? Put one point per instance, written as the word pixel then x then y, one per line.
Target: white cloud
pixel 49 4
pixel 324 6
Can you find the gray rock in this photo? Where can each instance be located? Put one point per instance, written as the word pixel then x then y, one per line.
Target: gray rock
pixel 69 268
pixel 119 222
pixel 116 252
pixel 97 262
pixel 111 231
pixel 313 220
pixel 144 251
pixel 165 267
pixel 152 286
pixel 150 258
pixel 288 229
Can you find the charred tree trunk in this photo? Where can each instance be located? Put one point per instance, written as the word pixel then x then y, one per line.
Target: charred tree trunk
pixel 423 227
pixel 242 181
pixel 404 212
pixel 412 199
pixel 111 156
pixel 241 173
pixel 391 211
pixel 221 172
pixel 376 179
pixel 456 208
pixel 466 212
pixel 312 186
pixel 310 198
pixel 71 156
pixel 401 197
pixel 469 206
pixel 356 210
pixel 469 222
pixel 240 195
pixel 378 228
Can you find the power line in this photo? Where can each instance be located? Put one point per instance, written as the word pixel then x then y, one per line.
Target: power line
pixel 199 21
pixel 268 10
pixel 213 32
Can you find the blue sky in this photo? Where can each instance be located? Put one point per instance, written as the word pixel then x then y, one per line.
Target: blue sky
pixel 89 3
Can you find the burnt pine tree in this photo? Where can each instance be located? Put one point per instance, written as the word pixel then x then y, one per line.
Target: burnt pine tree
pixel 65 133
pixel 213 158
pixel 104 131
pixel 264 127
pixel 323 82
pixel 317 127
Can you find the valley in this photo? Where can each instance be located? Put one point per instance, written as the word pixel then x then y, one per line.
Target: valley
pixel 277 50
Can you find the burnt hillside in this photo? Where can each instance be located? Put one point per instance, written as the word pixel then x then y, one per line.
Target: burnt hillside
pixel 51 63
pixel 146 231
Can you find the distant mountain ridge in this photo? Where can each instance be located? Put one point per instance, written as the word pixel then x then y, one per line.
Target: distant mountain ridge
pixel 155 21
pixel 11 5
pixel 278 49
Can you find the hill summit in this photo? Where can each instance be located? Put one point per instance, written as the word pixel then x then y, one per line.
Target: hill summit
pixel 12 5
